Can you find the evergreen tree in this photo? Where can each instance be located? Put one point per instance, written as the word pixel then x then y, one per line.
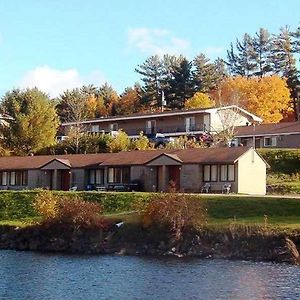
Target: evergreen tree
pixel 151 71
pixel 285 64
pixel 181 85
pixel 262 44
pixel 207 75
pixel 244 61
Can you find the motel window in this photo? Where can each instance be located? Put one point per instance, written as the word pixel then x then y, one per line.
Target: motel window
pixel 270 141
pixel 119 175
pixel 96 176
pixel 210 173
pixel 18 178
pixel 95 128
pixel 113 127
pixel 227 173
pixel 3 178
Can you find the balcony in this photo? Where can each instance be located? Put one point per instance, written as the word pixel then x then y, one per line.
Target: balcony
pixel 171 130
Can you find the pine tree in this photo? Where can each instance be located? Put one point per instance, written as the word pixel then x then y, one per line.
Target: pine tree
pixel 262 43
pixel 244 61
pixel 181 85
pixel 152 71
pixel 207 75
pixel 285 64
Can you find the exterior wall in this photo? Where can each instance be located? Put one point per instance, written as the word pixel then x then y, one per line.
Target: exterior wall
pixel 79 178
pixel 251 174
pixel 228 117
pixel 39 179
pixel 150 179
pixel 191 178
pixel 282 141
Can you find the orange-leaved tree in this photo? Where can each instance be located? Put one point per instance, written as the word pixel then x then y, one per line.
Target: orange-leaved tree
pixel 267 97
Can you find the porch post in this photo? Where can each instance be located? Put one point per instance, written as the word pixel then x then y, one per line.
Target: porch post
pixel 55 179
pixel 163 178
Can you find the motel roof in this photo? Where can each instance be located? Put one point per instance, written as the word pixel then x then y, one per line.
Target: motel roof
pixel 137 157
pixel 157 114
pixel 284 128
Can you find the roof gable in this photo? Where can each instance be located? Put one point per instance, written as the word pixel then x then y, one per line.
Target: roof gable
pixel 57 164
pixel 165 159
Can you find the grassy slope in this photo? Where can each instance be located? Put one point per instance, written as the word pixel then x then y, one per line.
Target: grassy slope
pixel 222 209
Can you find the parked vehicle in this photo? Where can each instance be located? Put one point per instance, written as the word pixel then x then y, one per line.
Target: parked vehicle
pixel 159 140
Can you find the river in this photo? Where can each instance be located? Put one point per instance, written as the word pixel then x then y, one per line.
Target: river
pixel 30 275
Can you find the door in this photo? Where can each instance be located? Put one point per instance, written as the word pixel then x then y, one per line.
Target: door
pixel 206 123
pixel 151 126
pixel 65 180
pixel 190 124
pixel 174 176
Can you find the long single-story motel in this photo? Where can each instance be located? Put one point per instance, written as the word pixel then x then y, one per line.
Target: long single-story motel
pixel 240 167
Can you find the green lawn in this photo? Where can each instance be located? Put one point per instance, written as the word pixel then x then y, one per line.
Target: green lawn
pixel 15 208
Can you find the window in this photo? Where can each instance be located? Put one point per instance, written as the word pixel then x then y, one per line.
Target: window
pixel 113 127
pixel 3 178
pixel 18 178
pixel 119 175
pixel 190 124
pixel 151 126
pixel 270 141
pixel 96 176
pixel 12 178
pixel 95 128
pixel 227 173
pixel 210 173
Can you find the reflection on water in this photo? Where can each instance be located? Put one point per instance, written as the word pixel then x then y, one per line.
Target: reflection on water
pixel 28 275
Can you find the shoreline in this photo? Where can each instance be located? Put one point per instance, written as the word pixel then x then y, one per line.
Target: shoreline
pixel 243 243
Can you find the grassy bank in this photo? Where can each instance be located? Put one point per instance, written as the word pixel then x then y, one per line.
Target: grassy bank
pixel 16 208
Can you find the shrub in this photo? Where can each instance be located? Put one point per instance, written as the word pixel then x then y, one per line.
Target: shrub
pixel 282 160
pixel 58 209
pixel 176 211
pixel 79 213
pixel 45 204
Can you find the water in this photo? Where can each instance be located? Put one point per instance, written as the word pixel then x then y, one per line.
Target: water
pixel 28 275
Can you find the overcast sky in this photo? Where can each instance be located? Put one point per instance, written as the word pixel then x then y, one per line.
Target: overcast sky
pixel 61 44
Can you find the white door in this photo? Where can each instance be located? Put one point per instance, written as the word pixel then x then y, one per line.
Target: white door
pixel 206 122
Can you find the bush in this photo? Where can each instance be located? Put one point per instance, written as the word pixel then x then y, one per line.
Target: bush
pixel 56 209
pixel 45 204
pixel 176 211
pixel 285 161
pixel 79 214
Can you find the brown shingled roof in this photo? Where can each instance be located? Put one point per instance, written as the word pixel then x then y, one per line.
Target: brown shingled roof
pixel 202 155
pixel 268 129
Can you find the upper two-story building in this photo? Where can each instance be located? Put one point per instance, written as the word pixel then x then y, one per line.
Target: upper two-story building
pixel 171 123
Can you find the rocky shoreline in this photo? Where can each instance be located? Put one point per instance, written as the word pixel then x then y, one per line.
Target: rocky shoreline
pixel 243 243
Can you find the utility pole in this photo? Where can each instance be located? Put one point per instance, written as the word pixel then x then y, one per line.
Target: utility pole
pixel 163 101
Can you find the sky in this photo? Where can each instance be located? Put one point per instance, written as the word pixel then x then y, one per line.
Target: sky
pixel 62 44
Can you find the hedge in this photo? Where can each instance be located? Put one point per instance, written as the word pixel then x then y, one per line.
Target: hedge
pixel 15 205
pixel 282 160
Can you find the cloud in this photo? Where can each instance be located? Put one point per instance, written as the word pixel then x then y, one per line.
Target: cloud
pixel 54 81
pixel 156 41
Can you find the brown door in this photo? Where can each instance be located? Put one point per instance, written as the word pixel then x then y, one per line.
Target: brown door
pixel 174 176
pixel 65 180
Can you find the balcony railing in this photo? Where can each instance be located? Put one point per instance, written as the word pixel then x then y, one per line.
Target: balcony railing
pixel 168 130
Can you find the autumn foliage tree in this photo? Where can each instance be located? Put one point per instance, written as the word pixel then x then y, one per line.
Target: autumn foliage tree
pixel 34 121
pixel 199 100
pixel 267 97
